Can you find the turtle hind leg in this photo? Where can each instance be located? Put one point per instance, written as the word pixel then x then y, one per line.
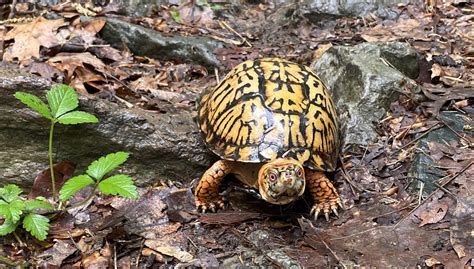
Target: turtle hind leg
pixel 324 194
pixel 206 195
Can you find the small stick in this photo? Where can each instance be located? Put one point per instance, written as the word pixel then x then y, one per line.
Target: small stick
pixel 235 32
pixel 216 72
pixel 454 131
pixel 325 244
pixel 433 193
pixel 434 127
pixel 348 178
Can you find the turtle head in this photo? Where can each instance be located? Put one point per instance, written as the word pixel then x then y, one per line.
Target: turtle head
pixel 281 181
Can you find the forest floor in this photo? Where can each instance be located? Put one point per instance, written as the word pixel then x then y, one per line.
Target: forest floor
pixel 387 222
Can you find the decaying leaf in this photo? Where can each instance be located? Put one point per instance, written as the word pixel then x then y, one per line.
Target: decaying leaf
pixel 433 214
pixel 176 252
pixel 30 37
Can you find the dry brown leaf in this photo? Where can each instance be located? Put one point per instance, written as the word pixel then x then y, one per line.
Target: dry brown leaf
pixel 69 62
pixel 433 214
pixel 321 50
pixel 436 71
pixel 176 252
pixel 30 37
pixel 95 261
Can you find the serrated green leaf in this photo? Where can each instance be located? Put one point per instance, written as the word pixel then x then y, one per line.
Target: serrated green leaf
pixel 8 227
pixel 12 211
pixel 76 117
pixel 39 202
pixel 119 185
pixel 62 99
pixel 10 192
pixel 37 225
pixel 74 185
pixel 34 103
pixel 99 168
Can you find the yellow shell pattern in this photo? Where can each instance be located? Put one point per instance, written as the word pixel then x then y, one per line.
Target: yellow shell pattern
pixel 271 108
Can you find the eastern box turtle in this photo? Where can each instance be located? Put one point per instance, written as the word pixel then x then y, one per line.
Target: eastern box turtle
pixel 274 125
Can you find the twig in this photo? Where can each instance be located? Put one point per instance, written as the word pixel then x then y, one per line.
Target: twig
pixel 348 178
pixel 4 34
pixel 137 261
pixel 22 244
pixel 325 244
pixel 235 32
pixel 216 72
pixel 434 127
pixel 9 263
pixel 115 256
pixel 433 193
pixel 454 131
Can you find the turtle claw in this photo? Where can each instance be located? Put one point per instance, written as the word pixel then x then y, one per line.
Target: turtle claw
pixel 326 207
pixel 326 215
pixel 315 210
pixel 334 210
pixel 213 206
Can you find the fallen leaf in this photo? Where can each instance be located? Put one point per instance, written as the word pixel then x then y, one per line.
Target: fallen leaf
pixel 30 37
pixel 42 185
pixel 321 50
pixel 436 71
pixel 433 214
pixel 182 256
pixel 69 62
pixel 55 255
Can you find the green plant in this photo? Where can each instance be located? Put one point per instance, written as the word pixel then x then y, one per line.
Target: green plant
pixel 62 100
pixel 15 210
pixel 118 184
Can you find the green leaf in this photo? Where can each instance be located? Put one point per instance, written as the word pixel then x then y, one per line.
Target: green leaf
pixel 99 168
pixel 74 185
pixel 62 99
pixel 39 202
pixel 10 192
pixel 119 184
pixel 76 117
pixel 12 211
pixel 8 227
pixel 37 225
pixel 176 15
pixel 34 103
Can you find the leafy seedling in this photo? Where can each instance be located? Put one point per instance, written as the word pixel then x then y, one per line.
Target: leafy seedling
pixel 15 210
pixel 118 184
pixel 62 100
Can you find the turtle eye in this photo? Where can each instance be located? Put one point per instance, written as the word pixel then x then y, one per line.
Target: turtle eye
pixel 299 172
pixel 272 177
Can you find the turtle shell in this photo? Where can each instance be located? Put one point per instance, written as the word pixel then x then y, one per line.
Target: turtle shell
pixel 267 109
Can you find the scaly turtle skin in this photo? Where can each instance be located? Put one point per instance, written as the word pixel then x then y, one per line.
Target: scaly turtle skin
pixel 274 125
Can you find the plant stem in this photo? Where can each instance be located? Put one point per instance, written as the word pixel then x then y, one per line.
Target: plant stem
pixel 53 182
pixel 85 201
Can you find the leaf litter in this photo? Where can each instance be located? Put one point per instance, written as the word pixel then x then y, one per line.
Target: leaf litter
pixel 385 224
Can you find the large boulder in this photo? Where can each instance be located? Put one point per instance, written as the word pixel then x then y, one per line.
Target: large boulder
pixel 364 81
pixel 162 146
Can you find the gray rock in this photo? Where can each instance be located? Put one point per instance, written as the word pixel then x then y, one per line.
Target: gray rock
pixel 316 10
pixel 164 146
pixel 147 42
pixel 424 168
pixel 364 80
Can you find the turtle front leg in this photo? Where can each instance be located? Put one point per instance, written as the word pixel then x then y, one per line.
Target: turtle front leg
pixel 206 196
pixel 324 194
